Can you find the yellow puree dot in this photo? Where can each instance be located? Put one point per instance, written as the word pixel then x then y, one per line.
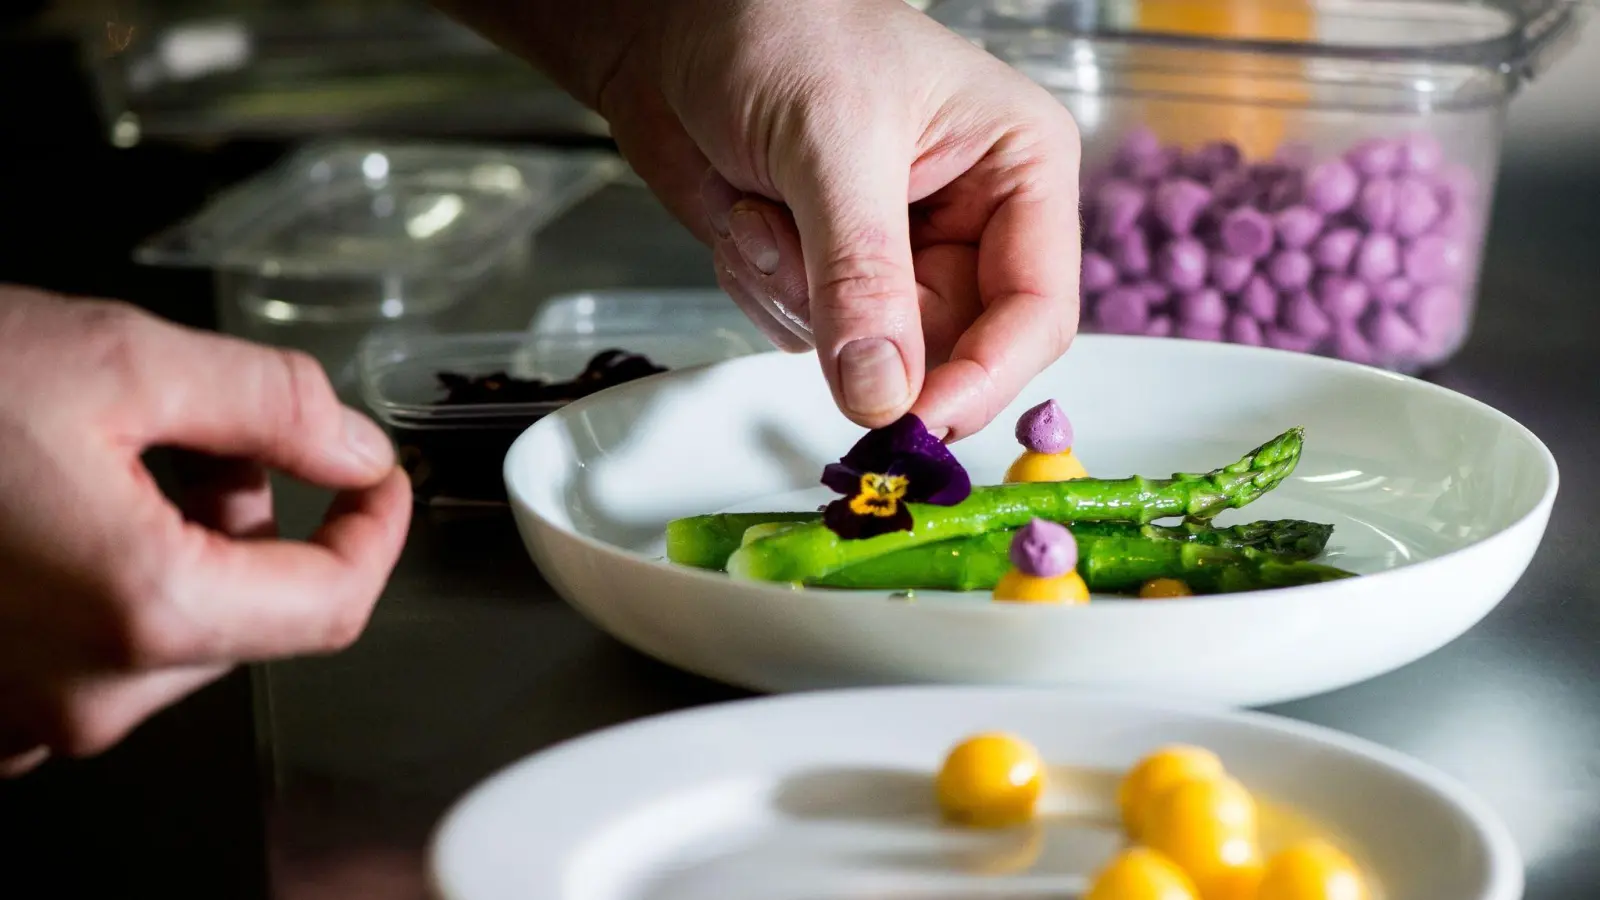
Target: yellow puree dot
pixel 1033 467
pixel 1164 588
pixel 1019 587
pixel 990 781
pixel 1140 873
pixel 1208 827
pixel 1311 870
pixel 1156 774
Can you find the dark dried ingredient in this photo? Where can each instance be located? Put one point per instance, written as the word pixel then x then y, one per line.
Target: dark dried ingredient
pixel 607 368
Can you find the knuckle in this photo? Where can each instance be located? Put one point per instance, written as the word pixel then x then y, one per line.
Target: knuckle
pixel 142 630
pixel 298 396
pixel 346 626
pixel 861 284
pixel 110 336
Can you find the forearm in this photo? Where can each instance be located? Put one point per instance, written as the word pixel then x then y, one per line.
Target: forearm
pixel 580 46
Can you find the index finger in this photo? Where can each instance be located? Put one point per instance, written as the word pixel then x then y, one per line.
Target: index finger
pixel 1028 257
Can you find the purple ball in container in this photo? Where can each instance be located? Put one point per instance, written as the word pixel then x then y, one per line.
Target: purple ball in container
pixel 1349 344
pixel 1334 251
pixel 1290 270
pixel 1377 204
pixel 1246 232
pixel 1203 308
pixel 1196 332
pixel 1455 224
pixel 1234 189
pixel 1434 259
pixel 1393 292
pixel 1378 259
pixel 1119 205
pixel 1213 159
pixel 1375 158
pixel 1297 226
pixel 1420 153
pixel 1160 326
pixel 1391 336
pixel 1122 311
pixel 1417 207
pixel 1138 144
pixel 1098 272
pixel 1435 310
pixel 1230 273
pixel 1285 191
pixel 1294 155
pixel 1131 254
pixel 1457 184
pixel 1282 339
pixel 1342 298
pixel 1244 330
pixel 1304 316
pixel 1182 263
pixel 1178 204
pixel 1154 292
pixel 1332 186
pixel 1259 300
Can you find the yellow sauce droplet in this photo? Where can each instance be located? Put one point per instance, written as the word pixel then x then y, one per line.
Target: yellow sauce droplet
pixel 1164 589
pixel 1311 870
pixel 1140 873
pixel 1018 587
pixel 990 781
pixel 1031 468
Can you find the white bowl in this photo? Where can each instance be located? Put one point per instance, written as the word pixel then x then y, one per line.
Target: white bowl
pixel 1438 500
pixel 817 796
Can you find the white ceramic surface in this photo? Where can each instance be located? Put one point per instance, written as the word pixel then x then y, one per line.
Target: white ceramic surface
pixel 1439 500
pixel 829 795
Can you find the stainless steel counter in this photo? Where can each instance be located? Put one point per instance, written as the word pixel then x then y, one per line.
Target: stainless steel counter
pixel 472 662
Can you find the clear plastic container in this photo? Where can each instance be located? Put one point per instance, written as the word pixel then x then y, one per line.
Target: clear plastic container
pixel 453 451
pixel 684 310
pixel 1313 175
pixel 346 231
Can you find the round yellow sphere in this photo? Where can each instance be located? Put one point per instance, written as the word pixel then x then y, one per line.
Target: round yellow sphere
pixel 1207 826
pixel 1018 587
pixel 991 781
pixel 1140 873
pixel 1311 870
pixel 1156 773
pixel 1164 589
pixel 1033 467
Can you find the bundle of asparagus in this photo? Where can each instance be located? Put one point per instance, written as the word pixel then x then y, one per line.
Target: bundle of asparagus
pixel 963 546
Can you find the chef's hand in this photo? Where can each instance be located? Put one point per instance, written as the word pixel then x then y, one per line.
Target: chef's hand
pixel 872 185
pixel 113 601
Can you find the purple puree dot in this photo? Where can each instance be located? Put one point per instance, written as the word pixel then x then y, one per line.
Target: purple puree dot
pixel 1432 259
pixel 1179 203
pixel 1298 226
pixel 1204 307
pixel 1349 344
pixel 1420 152
pixel 1435 310
pixel 1154 168
pixel 1305 318
pixel 1247 232
pixel 1233 188
pixel 1131 254
pixel 1259 299
pixel 1098 272
pixel 1416 207
pixel 1377 204
pixel 1391 335
pixel 1332 186
pixel 1231 272
pixel 1198 332
pixel 1334 250
pixel 1154 292
pixel 1044 428
pixel 1182 264
pixel 1342 298
pixel 1044 549
pixel 1244 330
pixel 1120 204
pixel 1160 326
pixel 1375 158
pixel 1122 311
pixel 1288 340
pixel 1378 259
pixel 1394 291
pixel 1290 270
pixel 1215 158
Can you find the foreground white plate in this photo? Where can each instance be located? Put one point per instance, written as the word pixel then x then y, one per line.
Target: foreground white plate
pixel 829 795
pixel 1439 499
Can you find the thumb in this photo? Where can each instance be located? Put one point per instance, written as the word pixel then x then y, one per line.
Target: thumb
pixel 850 209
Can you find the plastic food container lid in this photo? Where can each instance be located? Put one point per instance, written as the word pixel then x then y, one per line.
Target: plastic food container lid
pixel 353 208
pixel 692 312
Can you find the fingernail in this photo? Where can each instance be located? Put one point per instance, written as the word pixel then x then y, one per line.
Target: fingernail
pixel 718 197
pixel 872 376
pixel 367 441
pixel 939 433
pixel 754 240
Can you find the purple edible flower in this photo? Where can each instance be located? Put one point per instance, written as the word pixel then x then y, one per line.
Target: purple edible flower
pixel 888 468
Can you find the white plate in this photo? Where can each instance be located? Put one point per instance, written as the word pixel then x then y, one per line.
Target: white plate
pixel 829 795
pixel 1439 500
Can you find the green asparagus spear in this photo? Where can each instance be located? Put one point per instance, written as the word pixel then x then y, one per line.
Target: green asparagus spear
pixel 707 541
pixel 811 551
pixel 1110 563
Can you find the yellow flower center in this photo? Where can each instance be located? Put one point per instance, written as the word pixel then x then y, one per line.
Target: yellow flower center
pixel 879 495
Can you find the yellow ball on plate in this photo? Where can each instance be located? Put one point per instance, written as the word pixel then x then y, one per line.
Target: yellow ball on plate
pixel 1164 589
pixel 1018 587
pixel 1311 870
pixel 1140 873
pixel 1207 826
pixel 1033 467
pixel 991 781
pixel 1158 772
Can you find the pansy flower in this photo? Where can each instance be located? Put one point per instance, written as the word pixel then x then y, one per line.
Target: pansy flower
pixel 888 468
